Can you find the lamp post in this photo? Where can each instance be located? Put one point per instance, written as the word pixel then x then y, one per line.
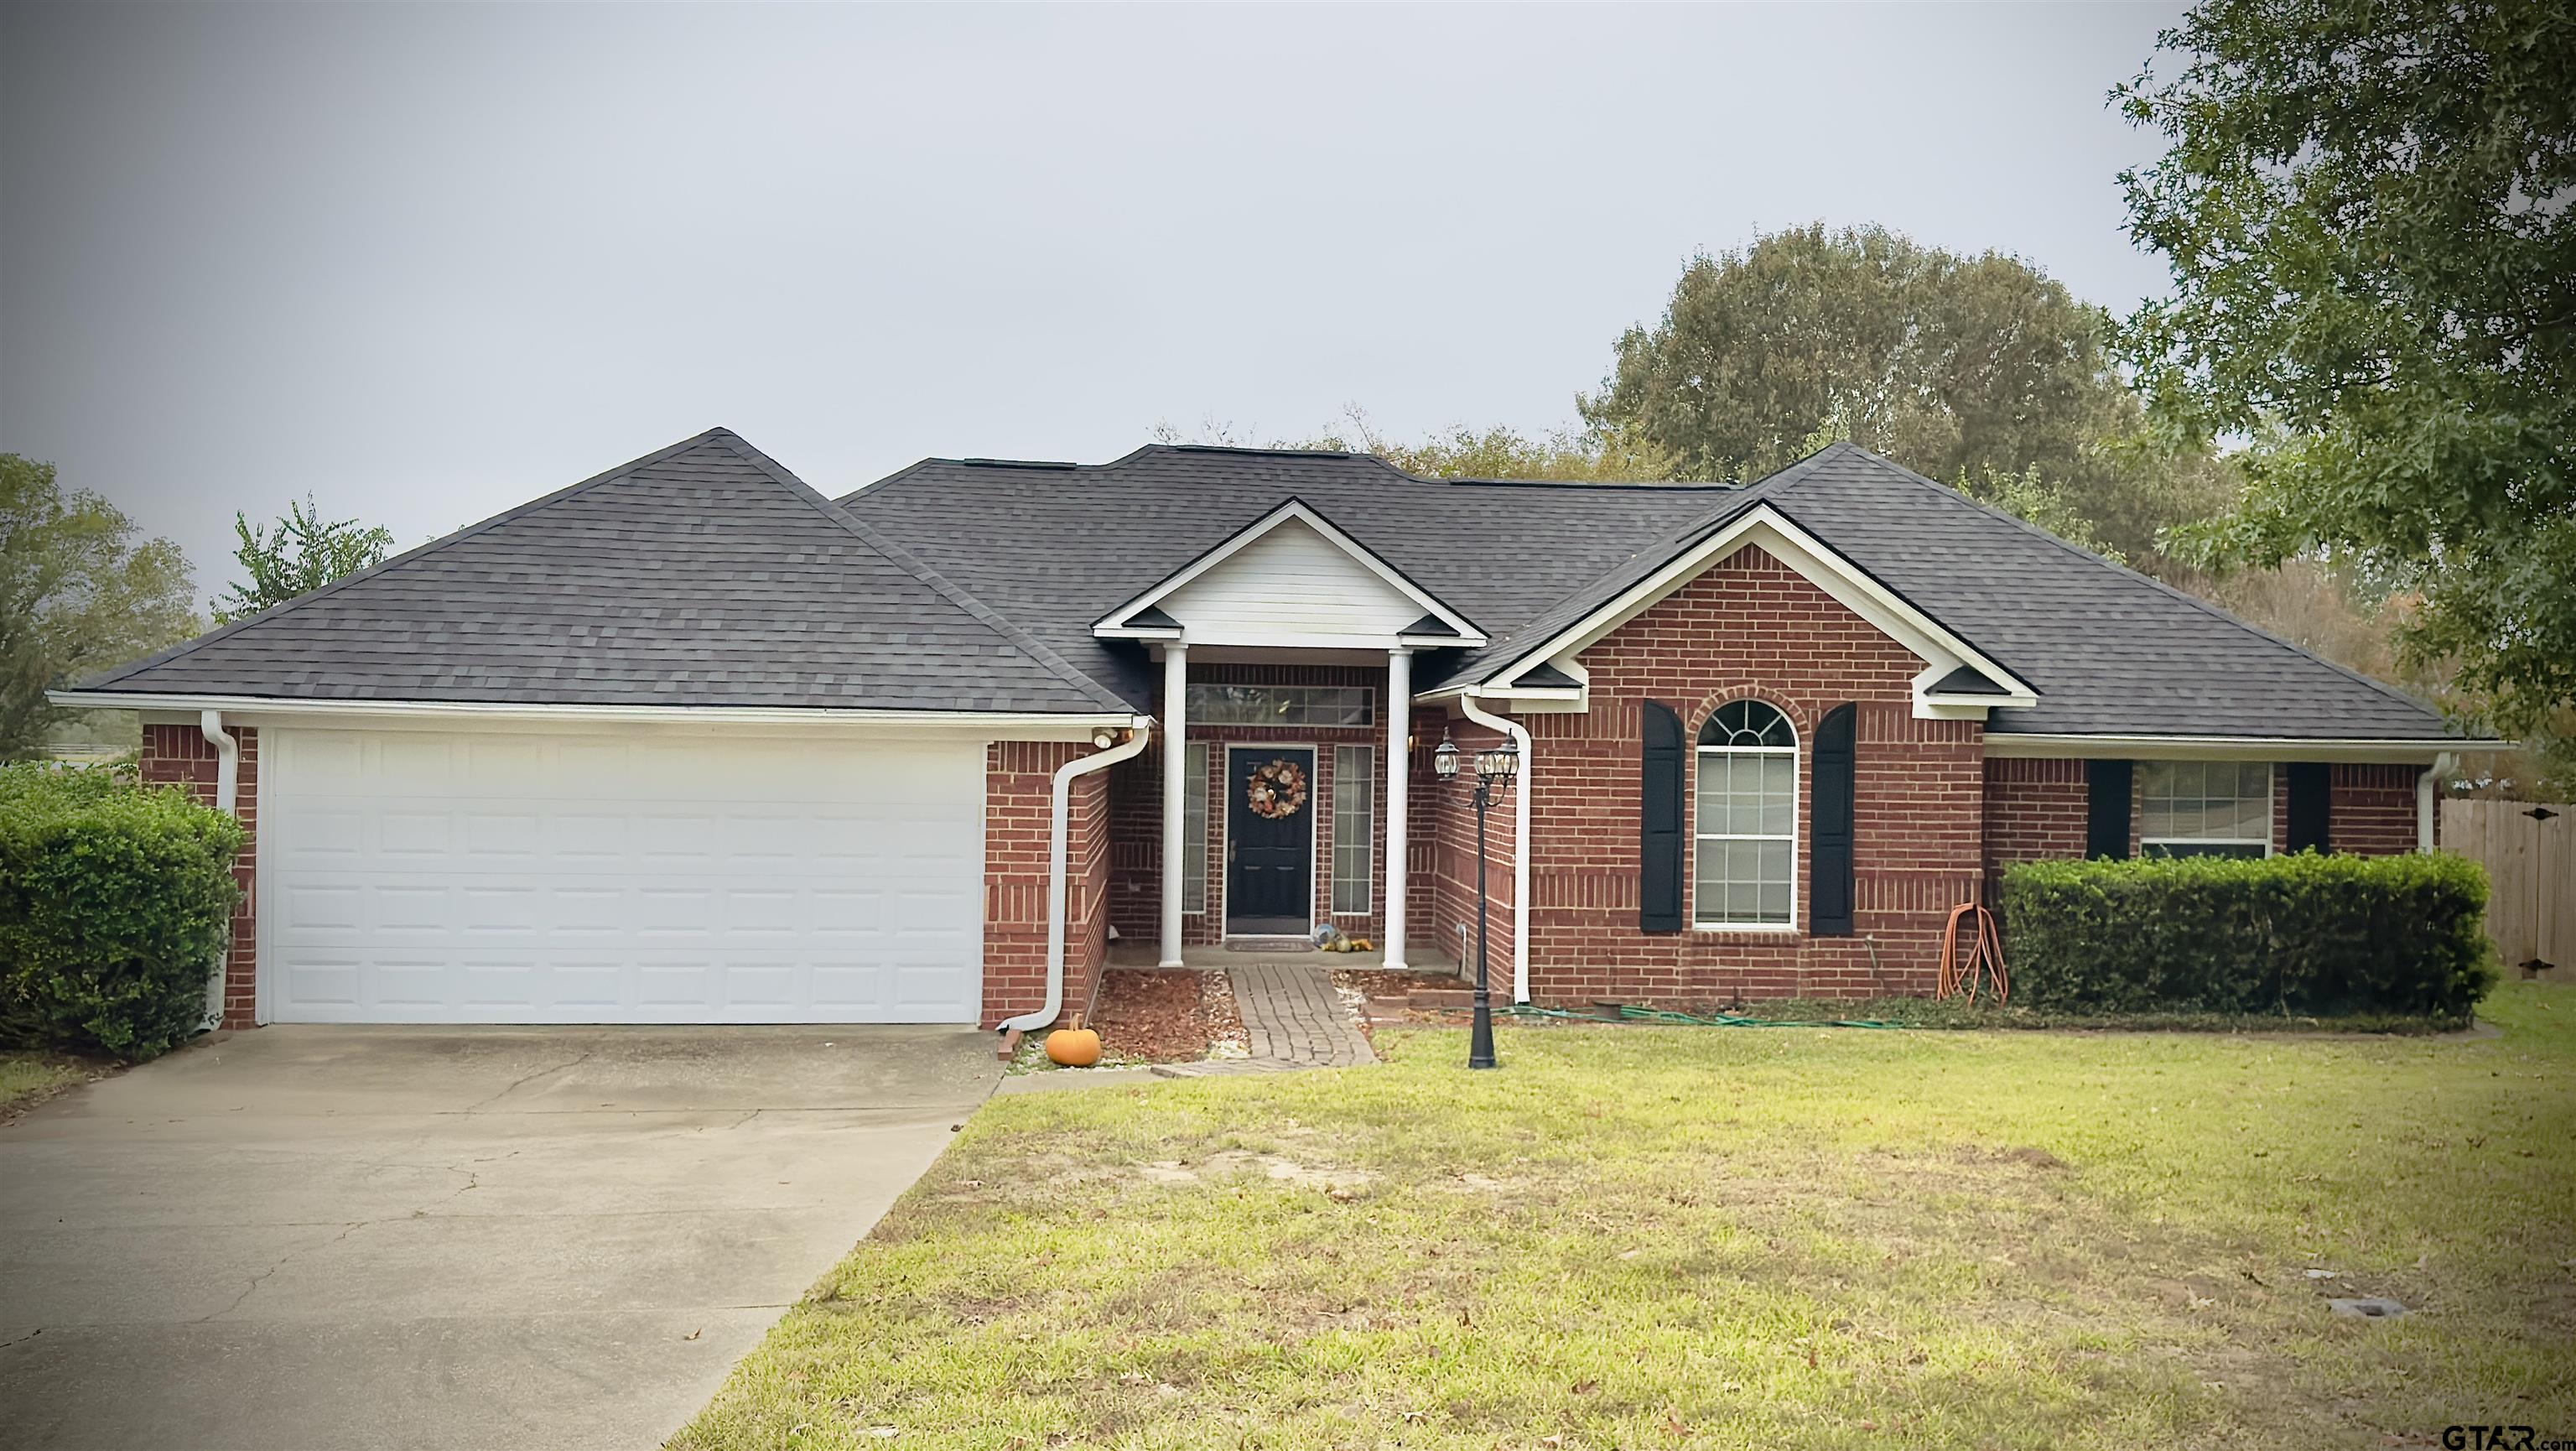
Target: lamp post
pixel 1495 769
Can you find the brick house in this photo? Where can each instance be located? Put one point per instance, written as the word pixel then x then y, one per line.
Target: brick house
pixel 687 742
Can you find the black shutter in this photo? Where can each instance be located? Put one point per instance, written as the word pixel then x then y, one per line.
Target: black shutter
pixel 1829 863
pixel 2311 806
pixel 2106 809
pixel 1659 820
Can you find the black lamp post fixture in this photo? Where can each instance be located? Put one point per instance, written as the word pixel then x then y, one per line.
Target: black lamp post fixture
pixel 1494 772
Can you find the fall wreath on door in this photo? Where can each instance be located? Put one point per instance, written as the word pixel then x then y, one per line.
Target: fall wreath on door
pixel 1276 791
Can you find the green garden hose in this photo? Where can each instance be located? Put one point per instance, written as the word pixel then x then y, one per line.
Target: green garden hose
pixel 1632 1014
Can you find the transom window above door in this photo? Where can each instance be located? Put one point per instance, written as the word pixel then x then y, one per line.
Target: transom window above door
pixel 2205 808
pixel 1287 705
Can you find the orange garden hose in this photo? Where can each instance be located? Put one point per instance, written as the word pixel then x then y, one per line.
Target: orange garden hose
pixel 1982 965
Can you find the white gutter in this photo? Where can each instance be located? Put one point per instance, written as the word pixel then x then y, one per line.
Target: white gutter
pixel 1520 841
pixel 1070 726
pixel 2243 748
pixel 2425 787
pixel 210 724
pixel 1058 828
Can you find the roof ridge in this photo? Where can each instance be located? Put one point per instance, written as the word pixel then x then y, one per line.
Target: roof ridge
pixel 2204 606
pixel 911 564
pixel 418 551
pixel 1501 655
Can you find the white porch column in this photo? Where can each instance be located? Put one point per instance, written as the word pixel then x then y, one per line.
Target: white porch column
pixel 1176 755
pixel 1399 727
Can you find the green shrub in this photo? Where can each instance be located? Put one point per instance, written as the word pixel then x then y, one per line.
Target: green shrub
pixel 2306 934
pixel 114 899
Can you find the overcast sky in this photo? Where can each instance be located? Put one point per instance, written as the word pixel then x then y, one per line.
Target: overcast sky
pixel 427 263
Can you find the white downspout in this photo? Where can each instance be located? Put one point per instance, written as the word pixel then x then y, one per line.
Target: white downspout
pixel 1520 840
pixel 210 723
pixel 2425 789
pixel 1059 827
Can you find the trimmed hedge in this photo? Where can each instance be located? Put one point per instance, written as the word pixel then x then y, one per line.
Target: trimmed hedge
pixel 2309 935
pixel 114 899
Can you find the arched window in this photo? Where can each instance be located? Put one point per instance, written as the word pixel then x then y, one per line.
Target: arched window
pixel 1746 833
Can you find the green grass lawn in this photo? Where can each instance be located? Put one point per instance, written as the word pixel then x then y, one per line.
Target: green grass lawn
pixel 27 1077
pixel 1694 1237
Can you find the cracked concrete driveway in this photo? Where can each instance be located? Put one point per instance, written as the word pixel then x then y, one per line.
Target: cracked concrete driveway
pixel 444 1237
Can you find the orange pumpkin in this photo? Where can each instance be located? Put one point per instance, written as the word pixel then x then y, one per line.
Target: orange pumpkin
pixel 1073 1047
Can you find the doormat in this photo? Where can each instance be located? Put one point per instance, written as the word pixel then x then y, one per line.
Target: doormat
pixel 1300 945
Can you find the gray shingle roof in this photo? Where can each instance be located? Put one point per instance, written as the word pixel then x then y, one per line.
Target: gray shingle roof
pixel 701 575
pixel 2110 652
pixel 705 574
pixel 1056 550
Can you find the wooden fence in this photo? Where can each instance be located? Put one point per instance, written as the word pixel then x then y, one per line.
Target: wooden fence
pixel 2529 851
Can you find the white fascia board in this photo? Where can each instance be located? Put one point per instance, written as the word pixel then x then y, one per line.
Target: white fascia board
pixel 1932 705
pixel 255 709
pixel 1198 639
pixel 1297 510
pixel 1765 526
pixel 2017 744
pixel 1134 632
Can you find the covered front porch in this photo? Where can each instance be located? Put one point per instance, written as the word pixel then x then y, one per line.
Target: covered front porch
pixel 1291 787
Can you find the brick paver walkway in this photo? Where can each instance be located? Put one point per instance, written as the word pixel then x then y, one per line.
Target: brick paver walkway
pixel 1292 1016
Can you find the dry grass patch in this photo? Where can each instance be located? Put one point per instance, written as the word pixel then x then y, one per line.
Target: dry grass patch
pixel 1709 1237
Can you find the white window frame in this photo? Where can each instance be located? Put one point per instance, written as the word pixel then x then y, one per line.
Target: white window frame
pixel 1366 845
pixel 2148 769
pixel 1700 839
pixel 1194 829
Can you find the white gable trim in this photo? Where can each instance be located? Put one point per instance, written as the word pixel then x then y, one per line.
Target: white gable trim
pixel 1115 626
pixel 1763 526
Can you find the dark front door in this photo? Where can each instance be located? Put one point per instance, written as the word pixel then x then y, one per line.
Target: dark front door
pixel 1269 839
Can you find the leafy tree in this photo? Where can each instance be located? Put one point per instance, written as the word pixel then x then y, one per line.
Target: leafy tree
pixel 2370 213
pixel 1462 452
pixel 77 594
pixel 1947 364
pixel 299 555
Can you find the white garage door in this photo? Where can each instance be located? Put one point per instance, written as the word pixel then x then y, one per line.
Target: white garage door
pixel 500 877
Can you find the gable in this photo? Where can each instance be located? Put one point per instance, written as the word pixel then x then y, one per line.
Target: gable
pixel 1290 580
pixel 1936 686
pixel 1752 621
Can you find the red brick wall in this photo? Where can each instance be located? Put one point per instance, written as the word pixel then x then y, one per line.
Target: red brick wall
pixel 181 755
pixel 1019 781
pixel 1449 860
pixel 1136 811
pixel 2035 810
pixel 2372 809
pixel 1751 627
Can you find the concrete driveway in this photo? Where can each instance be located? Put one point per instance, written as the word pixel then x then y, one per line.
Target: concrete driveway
pixel 444 1237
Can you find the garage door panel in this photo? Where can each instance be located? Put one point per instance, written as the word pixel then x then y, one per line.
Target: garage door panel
pixel 459 878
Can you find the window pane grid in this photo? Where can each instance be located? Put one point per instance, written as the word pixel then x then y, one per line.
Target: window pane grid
pixel 1354 823
pixel 1746 821
pixel 1194 829
pixel 2205 808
